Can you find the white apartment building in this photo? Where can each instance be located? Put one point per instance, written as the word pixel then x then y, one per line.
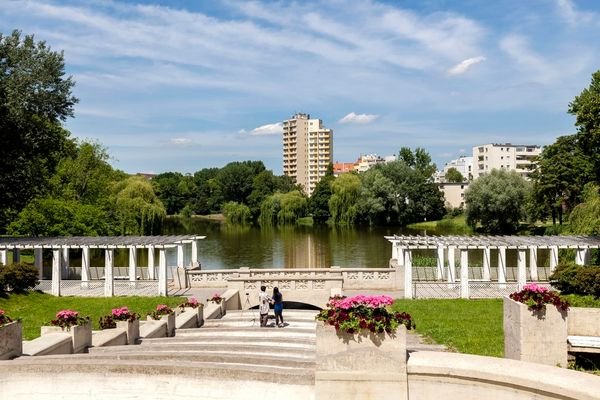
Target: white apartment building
pixel 365 162
pixel 307 150
pixel 454 193
pixel 511 157
pixel 463 164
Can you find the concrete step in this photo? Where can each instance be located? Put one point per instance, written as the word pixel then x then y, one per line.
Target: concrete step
pixel 248 321
pixel 182 341
pixel 308 315
pixel 253 332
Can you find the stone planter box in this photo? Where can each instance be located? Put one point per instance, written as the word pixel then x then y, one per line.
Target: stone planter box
pixel 360 366
pixel 539 337
pixel 132 328
pixel 170 319
pixel 81 335
pixel 199 311
pixel 11 340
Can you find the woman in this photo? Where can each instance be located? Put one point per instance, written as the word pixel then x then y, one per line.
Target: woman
pixel 278 307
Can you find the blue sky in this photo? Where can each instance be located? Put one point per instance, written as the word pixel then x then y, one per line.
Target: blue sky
pixel 183 85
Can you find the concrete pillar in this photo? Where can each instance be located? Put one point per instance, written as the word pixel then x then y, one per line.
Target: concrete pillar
pixel 65 262
pixel 487 256
pixel 180 256
pixel 401 256
pixel 464 273
pixel 395 252
pixel 502 266
pixel 582 257
pixel 151 274
pixel 408 286
pixel 195 260
pixel 38 261
pixel 16 253
pixel 451 275
pixel 162 272
pixel 85 266
pixel 132 264
pixel 533 263
pixel 440 263
pixel 56 271
pixel 553 258
pixel 3 257
pixel 109 263
pixel 521 268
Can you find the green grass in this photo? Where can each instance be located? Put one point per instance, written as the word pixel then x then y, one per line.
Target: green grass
pixel 466 326
pixel 583 301
pixel 455 225
pixel 35 309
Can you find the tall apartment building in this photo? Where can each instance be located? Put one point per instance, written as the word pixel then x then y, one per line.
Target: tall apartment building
pixel 307 150
pixel 512 157
pixel 462 164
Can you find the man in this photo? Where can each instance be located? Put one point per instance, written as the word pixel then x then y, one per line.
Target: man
pixel 263 305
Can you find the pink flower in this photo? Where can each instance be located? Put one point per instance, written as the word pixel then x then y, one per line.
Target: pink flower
pixel 120 312
pixel 535 288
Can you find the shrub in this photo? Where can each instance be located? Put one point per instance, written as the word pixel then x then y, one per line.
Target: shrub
pixel 536 297
pixel 563 278
pixel 18 277
pixel 107 322
pixel 577 279
pixel 587 281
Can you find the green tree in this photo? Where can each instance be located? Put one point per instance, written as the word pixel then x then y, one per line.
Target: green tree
pixel 345 191
pixel 202 197
pixel 585 218
pixel 170 189
pixel 453 175
pixel 283 208
pixel 318 203
pixel 236 213
pixel 377 198
pixel 138 210
pixel 234 181
pixel 496 201
pixel 35 98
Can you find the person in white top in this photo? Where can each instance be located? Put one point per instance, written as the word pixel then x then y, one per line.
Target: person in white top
pixel 263 305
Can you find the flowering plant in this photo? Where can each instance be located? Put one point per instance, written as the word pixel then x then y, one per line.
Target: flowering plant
pixel 536 297
pixel 372 313
pixel 123 314
pixel 190 302
pixel 216 298
pixel 161 309
pixel 68 318
pixel 4 319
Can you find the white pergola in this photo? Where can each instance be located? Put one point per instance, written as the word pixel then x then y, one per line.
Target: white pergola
pixel 60 247
pixel 447 246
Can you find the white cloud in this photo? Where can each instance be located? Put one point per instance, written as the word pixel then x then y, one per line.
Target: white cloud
pixel 572 16
pixel 464 65
pixel 268 129
pixel 354 118
pixel 539 69
pixel 180 141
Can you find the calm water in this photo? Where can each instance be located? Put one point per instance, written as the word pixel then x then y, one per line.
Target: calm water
pixel 232 246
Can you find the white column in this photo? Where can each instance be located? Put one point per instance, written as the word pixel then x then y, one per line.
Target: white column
pixel 464 273
pixel 521 268
pixel 3 257
pixel 533 263
pixel 487 256
pixel 56 271
pixel 180 256
pixel 401 255
pixel 85 266
pixel 109 284
pixel 582 257
pixel 451 276
pixel 440 263
pixel 395 252
pixel 132 264
pixel 38 260
pixel 195 262
pixel 408 286
pixel 65 262
pixel 16 253
pixel 502 266
pixel 162 272
pixel 151 263
pixel 553 258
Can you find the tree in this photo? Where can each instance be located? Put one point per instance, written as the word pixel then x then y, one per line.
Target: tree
pixel 236 213
pixel 234 181
pixel 202 199
pixel 585 218
pixel 138 210
pixel 318 203
pixel 345 191
pixel 168 188
pixel 454 176
pixel 35 98
pixel 496 201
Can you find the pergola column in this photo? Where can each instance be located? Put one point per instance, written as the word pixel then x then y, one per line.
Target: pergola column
pixel 502 266
pixel 85 266
pixel 109 284
pixel 38 260
pixel 553 258
pixel 151 274
pixel 16 255
pixel 180 256
pixel 194 261
pixel 3 257
pixel 487 256
pixel 440 262
pixel 65 262
pixel 56 271
pixel 533 263
pixel 162 272
pixel 582 257
pixel 451 276
pixel 521 268
pixel 132 264
pixel 464 273
pixel 408 286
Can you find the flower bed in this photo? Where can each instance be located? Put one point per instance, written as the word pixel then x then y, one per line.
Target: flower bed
pixel 191 302
pixel 66 319
pixel 367 313
pixel 536 297
pixel 161 309
pixel 216 298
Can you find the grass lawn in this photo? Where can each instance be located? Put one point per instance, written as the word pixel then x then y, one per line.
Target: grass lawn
pixel 35 309
pixel 466 326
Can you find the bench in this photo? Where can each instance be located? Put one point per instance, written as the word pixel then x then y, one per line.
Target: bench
pixel 584 344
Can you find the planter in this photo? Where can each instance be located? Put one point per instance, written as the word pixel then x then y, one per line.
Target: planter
pixel 81 335
pixel 539 337
pixel 199 311
pixel 132 328
pixel 360 366
pixel 170 319
pixel 11 340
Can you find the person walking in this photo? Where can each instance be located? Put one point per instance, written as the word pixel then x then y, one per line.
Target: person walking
pixel 278 307
pixel 263 306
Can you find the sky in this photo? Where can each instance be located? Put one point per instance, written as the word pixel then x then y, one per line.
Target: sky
pixel 184 85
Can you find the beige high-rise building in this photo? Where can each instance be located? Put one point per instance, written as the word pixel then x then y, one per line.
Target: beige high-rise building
pixel 511 157
pixel 307 150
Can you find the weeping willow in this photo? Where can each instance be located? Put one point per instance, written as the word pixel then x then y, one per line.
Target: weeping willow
pixel 283 208
pixel 138 210
pixel 343 203
pixel 236 213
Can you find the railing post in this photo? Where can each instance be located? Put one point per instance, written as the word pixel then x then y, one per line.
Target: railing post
pixel 408 287
pixel 464 273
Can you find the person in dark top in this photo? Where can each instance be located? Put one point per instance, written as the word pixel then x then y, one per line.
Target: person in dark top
pixel 278 307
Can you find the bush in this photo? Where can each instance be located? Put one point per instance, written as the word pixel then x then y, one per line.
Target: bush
pixel 563 278
pixel 577 279
pixel 18 277
pixel 587 281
